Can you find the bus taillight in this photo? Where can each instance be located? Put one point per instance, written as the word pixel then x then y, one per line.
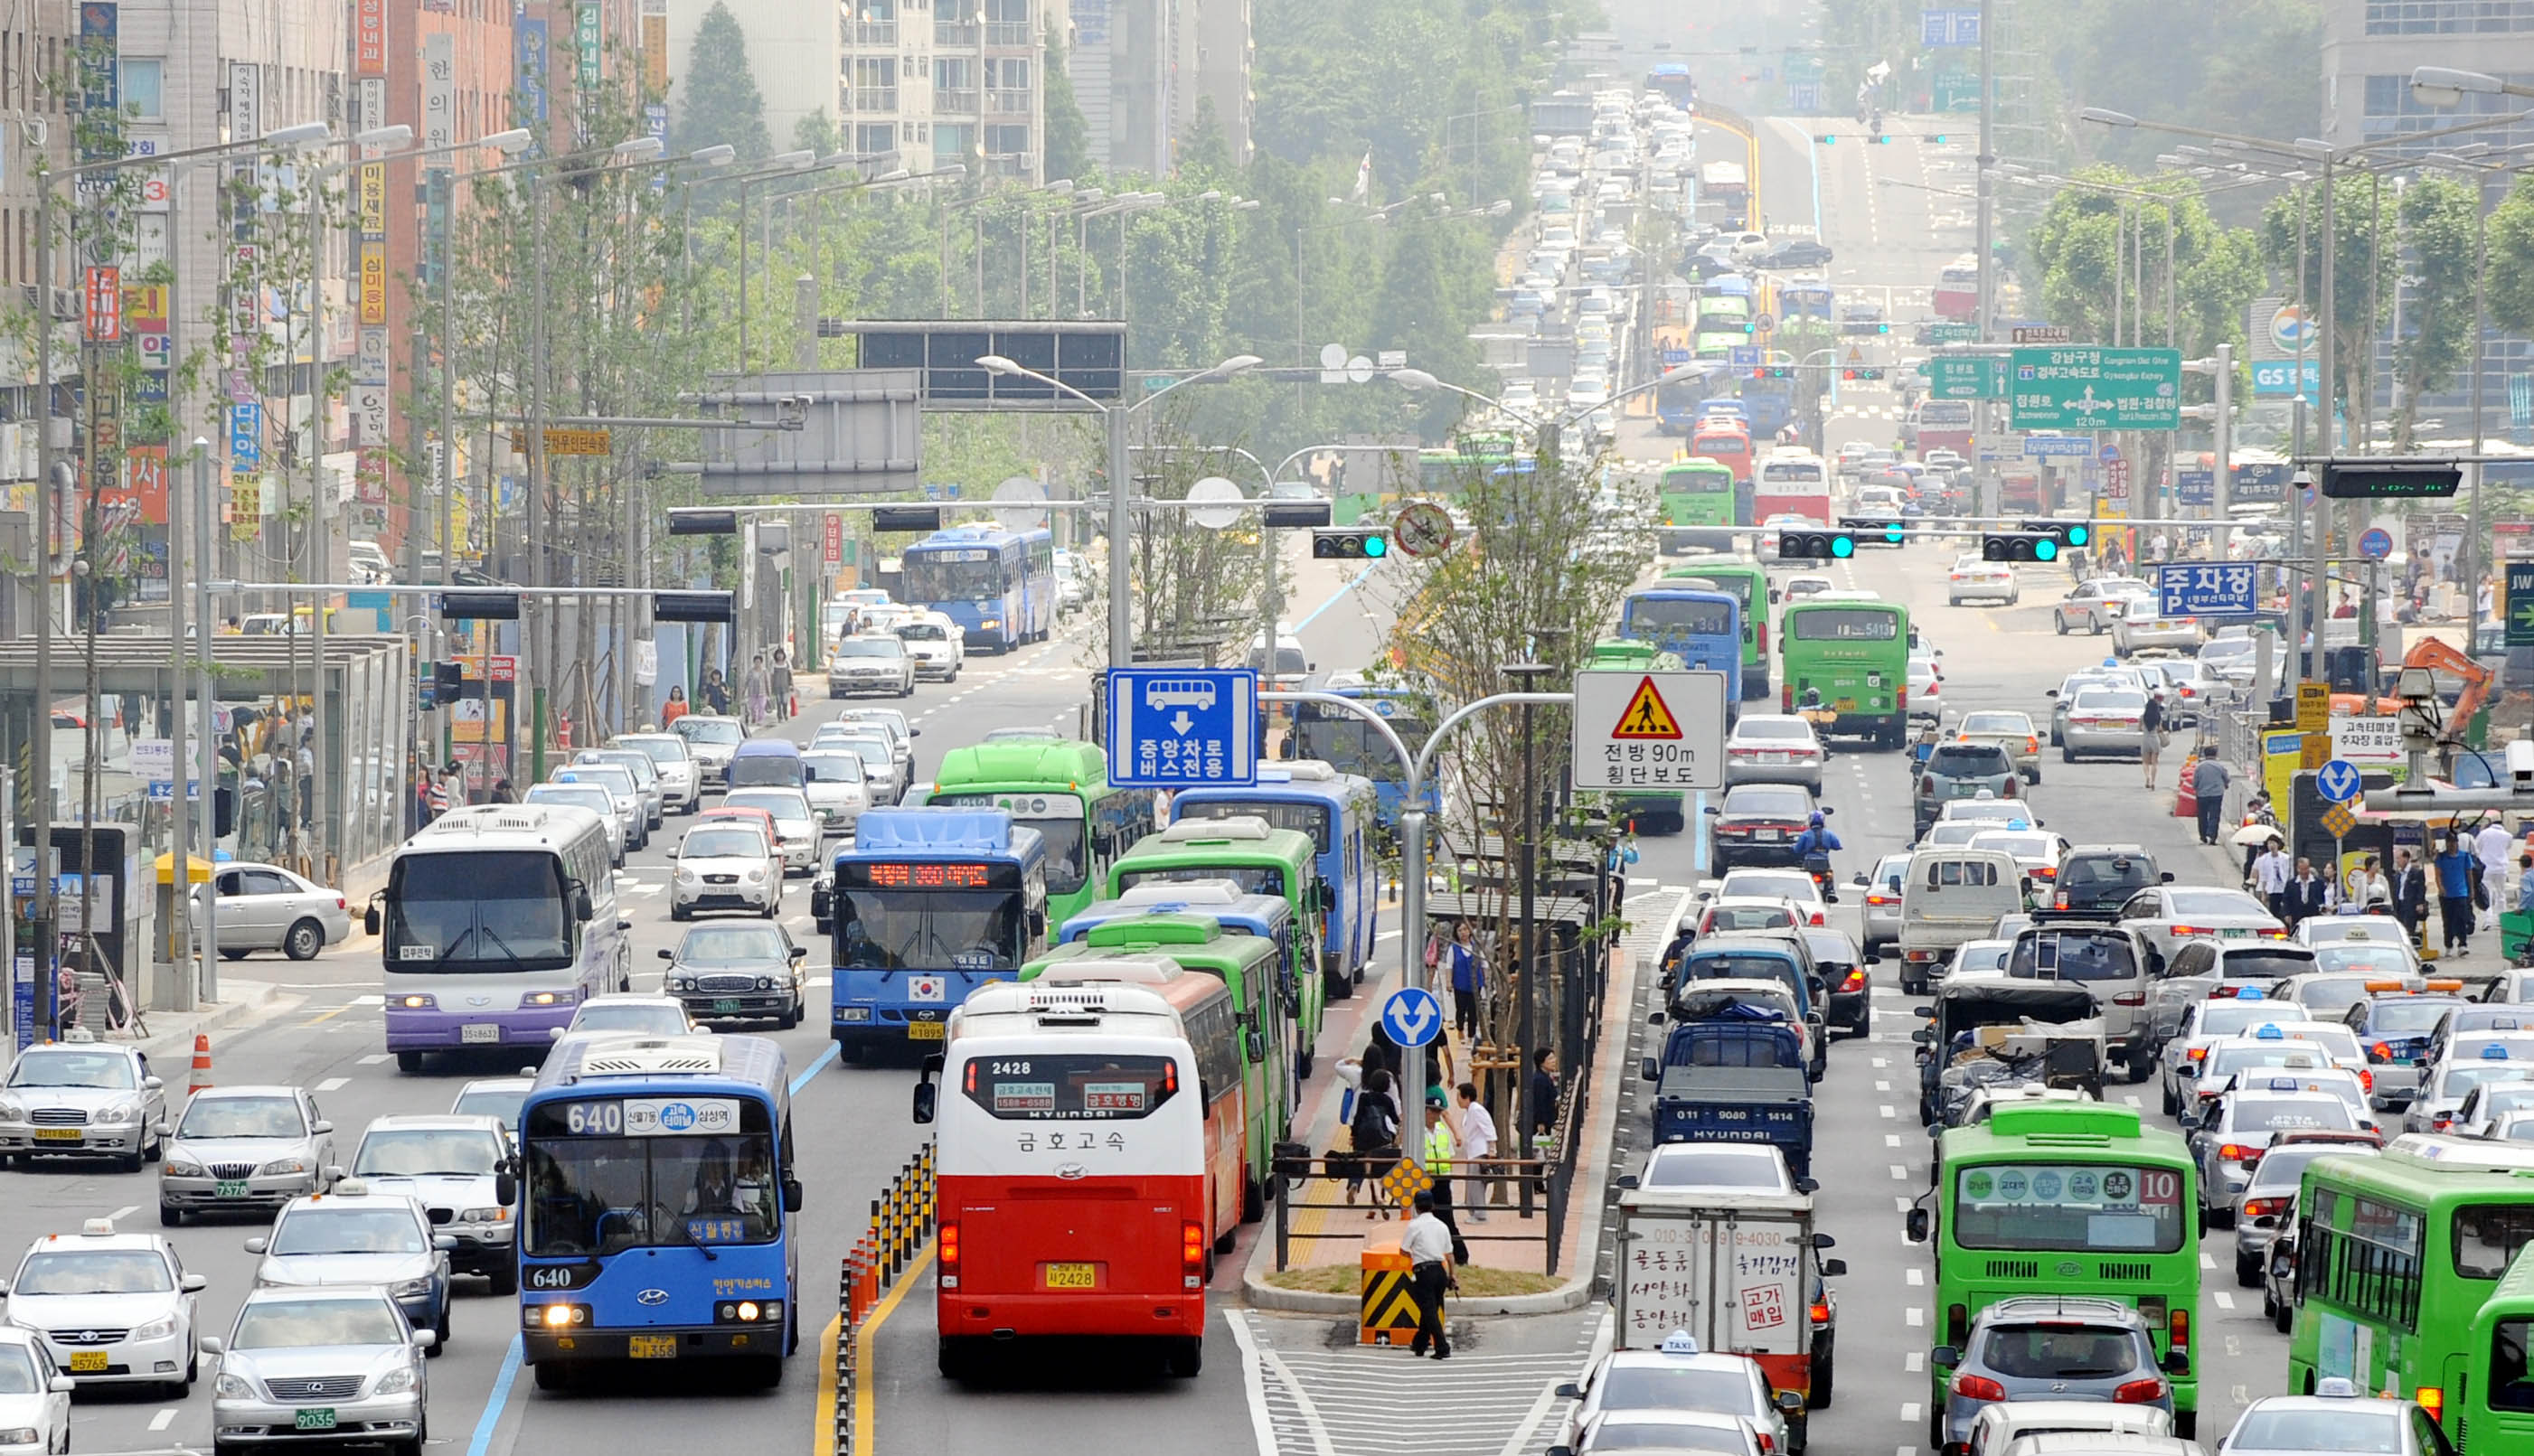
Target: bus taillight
pixel 949 1250
pixel 2177 1327
pixel 1193 1254
pixel 1786 697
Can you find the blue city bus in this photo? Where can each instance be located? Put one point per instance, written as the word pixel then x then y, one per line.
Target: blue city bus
pixel 1807 298
pixel 929 904
pixel 1350 745
pixel 1703 628
pixel 999 586
pixel 1236 912
pixel 1769 405
pixel 1672 79
pixel 1681 399
pixel 1340 812
pixel 659 1205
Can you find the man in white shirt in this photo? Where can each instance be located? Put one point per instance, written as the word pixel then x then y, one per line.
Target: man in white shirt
pixel 1478 1136
pixel 1428 1244
pixel 2491 846
pixel 2270 875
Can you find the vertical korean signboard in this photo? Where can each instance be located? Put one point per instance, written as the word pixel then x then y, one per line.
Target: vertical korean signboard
pixel 528 35
pixel 439 92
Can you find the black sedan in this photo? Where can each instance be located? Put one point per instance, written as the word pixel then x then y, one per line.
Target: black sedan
pixel 745 970
pixel 1796 253
pixel 1844 976
pixel 1758 824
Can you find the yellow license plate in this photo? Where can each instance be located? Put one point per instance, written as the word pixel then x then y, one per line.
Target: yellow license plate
pixel 88 1361
pixel 1068 1276
pixel 651 1347
pixel 925 1031
pixel 57 1134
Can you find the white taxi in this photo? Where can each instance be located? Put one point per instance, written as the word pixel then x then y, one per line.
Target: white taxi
pixel 1974 578
pixel 1678 1377
pixel 113 1308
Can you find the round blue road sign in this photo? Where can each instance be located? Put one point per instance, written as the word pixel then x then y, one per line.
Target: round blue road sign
pixel 1412 1016
pixel 2337 781
pixel 2376 544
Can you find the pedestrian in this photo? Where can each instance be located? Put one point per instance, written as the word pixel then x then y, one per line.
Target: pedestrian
pixel 2151 735
pixel 452 785
pixel 2525 881
pixel 1469 977
pixel 2459 875
pixel 503 794
pixel 1438 1151
pixel 753 690
pixel 1478 1143
pixel 784 703
pixel 2270 875
pixel 1373 1136
pixel 1543 1099
pixel 2309 894
pixel 2369 890
pixel 2209 780
pixel 674 708
pixel 2410 892
pixel 1427 1244
pixel 2491 846
pixel 417 803
pixel 717 692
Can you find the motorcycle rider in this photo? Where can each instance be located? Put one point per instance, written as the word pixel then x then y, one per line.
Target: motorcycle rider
pixel 1815 839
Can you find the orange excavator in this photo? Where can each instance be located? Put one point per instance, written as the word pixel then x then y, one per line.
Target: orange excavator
pixel 2440 655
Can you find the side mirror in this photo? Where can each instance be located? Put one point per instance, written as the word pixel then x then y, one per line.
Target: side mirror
pixel 370 919
pixel 926 1101
pixel 158 1129
pixel 1570 1391
pixel 1831 1269
pixel 1650 1069
pixel 1653 1018
pixel 505 1187
pixel 1928 1011
pixel 1627 1181
pixel 151 1084
pixel 668 955
pixel 791 1195
pixel 1874 957
pixel 1791 1401
pixel 210 1345
pixel 62 1385
pixel 1860 879
pixel 256 1245
pixel 1715 808
pixel 2167 878
pixel 553 1033
pixel 1807 1187
pixel 424 1339
pixel 581 909
pixel 798 952
pixel 1823 1241
pixel 1917 1228
pixel 2188 1118
pixel 1924 1036
pixel 2176 1363
pixel 322 1126
pixel 443 1242
pixel 193 1284
pixel 1945 1354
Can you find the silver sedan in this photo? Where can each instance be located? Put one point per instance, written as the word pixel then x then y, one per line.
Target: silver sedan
pixel 2104 720
pixel 1774 748
pixel 265 907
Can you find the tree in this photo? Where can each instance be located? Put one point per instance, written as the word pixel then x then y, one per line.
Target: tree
pixel 2510 289
pixel 720 104
pixel 1068 137
pixel 2358 307
pixel 1207 151
pixel 2438 216
pixel 817 133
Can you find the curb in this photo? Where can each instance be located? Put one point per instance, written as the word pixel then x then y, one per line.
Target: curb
pixel 242 999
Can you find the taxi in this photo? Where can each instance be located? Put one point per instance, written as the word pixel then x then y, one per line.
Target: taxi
pixel 83 1096
pixel 2266 1051
pixel 2393 1024
pixel 113 1308
pixel 2326 930
pixel 1678 1377
pixel 2445 1085
pixel 2337 1418
pixel 2205 1023
pixel 2229 1141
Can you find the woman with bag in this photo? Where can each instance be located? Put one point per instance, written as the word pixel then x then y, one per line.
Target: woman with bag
pixel 1375 1136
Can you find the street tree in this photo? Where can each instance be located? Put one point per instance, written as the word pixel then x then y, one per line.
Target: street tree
pixel 1067 137
pixel 720 104
pixel 2362 278
pixel 2437 217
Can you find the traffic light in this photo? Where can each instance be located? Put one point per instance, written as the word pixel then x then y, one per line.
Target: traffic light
pixel 1349 544
pixel 1890 530
pixel 1826 138
pixel 2019 546
pixel 1774 371
pixel 1860 374
pixel 2071 535
pixel 2398 480
pixel 694 606
pixel 906 518
pixel 1816 545
pixel 694 521
pixel 1293 513
pixel 1934 138
pixel 482 606
pixel 1749 327
pixel 1880 139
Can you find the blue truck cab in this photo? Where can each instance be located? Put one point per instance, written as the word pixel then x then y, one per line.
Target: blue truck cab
pixel 1735 1080
pixel 929 904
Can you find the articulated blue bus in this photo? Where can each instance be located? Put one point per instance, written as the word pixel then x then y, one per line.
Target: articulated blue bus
pixel 1340 812
pixel 999 586
pixel 1703 628
pixel 929 904
pixel 1350 745
pixel 659 1206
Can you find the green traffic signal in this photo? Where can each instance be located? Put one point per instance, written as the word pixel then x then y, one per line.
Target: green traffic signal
pixel 1843 545
pixel 2045 550
pixel 2079 533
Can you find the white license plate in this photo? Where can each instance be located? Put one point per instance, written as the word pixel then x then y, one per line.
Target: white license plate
pixel 480 1032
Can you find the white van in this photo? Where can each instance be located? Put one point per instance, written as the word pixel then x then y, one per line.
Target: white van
pixel 1952 896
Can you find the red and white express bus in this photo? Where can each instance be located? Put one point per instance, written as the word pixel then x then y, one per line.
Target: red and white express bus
pixel 1792 482
pixel 1940 424
pixel 1089 1166
pixel 1957 290
pixel 1726 441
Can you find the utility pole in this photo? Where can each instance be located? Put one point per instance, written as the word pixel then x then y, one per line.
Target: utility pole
pixel 2221 484
pixel 1984 476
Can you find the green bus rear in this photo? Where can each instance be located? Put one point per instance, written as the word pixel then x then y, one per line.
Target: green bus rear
pixel 1247 963
pixel 1747 582
pixel 2495 1408
pixel 1060 788
pixel 2397 1255
pixel 1855 654
pixel 2070 1199
pixel 1696 494
pixel 1262 860
pixel 1440 476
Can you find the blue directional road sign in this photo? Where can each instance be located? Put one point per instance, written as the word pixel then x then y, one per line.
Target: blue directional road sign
pixel 2206 589
pixel 1743 355
pixel 2376 544
pixel 2336 781
pixel 1412 1016
pixel 1174 727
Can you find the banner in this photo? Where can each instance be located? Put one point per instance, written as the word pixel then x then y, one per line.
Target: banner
pixel 373 282
pixel 439 92
pixel 369 40
pixel 530 39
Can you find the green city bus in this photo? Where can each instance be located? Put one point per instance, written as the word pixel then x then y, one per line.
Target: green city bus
pixel 2494 1405
pixel 1060 788
pixel 2065 1199
pixel 1853 650
pixel 1747 582
pixel 1262 860
pixel 1247 963
pixel 2397 1254
pixel 1697 493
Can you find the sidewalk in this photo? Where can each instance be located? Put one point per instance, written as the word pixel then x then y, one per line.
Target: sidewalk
pixel 169 1046
pixel 1318 1128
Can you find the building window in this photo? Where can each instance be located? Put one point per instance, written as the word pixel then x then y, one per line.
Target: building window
pixel 1007 140
pixel 873 138
pixel 876 83
pixel 952 142
pixel 874 22
pixel 1008 23
pixel 2450 17
pixel 954 85
pixel 144 89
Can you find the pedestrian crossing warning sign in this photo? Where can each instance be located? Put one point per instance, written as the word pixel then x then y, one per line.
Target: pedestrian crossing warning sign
pixel 1646 715
pixel 1856 355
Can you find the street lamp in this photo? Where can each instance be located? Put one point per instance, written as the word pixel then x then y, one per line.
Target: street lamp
pixel 1121 623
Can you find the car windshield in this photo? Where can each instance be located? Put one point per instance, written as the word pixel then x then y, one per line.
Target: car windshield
pixel 1716 1168
pixel 722 844
pixel 661 751
pixel 922 633
pixel 2332 996
pixel 781 805
pixel 2347 1426
pixel 871 647
pixel 2108 700
pixel 2282 1167
pixel 73 1068
pixel 1750 917
pixel 2237 1018
pixel 1667 1436
pixel 1789 884
pixel 656 1021
pixel 2073 956
pixel 420 1152
pixel 495 1103
pixel 2060 1352
pixel 1952 834
pixel 2021 845
pixel 2197 903
pixel 2456 1081
pixel 242 1117
pixel 1997 722
pixel 2369 961
pixel 348 1231
pixel 96 1271
pixel 2263 963
pixel 2396 1016
pixel 590 797
pixel 17 1371
pixel 1768 801
pixel 832 765
pixel 1794 730
pixel 2106 870
pixel 719 731
pixel 1969 760
pixel 727 944
pixel 1637 1386
pixel 308 1324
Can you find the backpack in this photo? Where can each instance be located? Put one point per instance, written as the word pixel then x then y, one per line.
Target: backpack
pixel 1374 1124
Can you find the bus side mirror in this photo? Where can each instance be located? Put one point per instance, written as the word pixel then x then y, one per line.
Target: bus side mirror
pixel 581 909
pixel 1650 1069
pixel 926 1100
pixel 505 1187
pixel 370 914
pixel 1253 1044
pixel 1831 1269
pixel 1916 1226
pixel 1775 596
pixel 791 1196
pixel 1038 923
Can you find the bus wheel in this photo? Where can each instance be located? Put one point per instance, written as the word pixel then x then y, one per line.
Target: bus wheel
pixel 553 1375
pixel 1186 1358
pixel 1303 1063
pixel 2186 1423
pixel 762 1372
pixel 1340 987
pixel 409 1063
pixel 955 1360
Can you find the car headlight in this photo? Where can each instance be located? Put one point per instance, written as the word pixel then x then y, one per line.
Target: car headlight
pixel 118 1114
pixel 755 876
pixel 493 1213
pixel 157 1329
pixel 18 1435
pixel 233 1387
pixel 682 983
pixel 687 877
pixel 280 1166
pixel 176 1166
pixel 11 1112
pixel 396 1381
pixel 407 1289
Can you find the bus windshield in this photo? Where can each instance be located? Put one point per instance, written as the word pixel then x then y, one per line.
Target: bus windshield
pixel 1071 1087
pixel 1698 480
pixel 1845 624
pixel 1350 745
pixel 1294 814
pixel 1254 879
pixel 1790 472
pixel 972 574
pixel 498 910
pixel 607 1195
pixel 2044 1206
pixel 1682 616
pixel 917 930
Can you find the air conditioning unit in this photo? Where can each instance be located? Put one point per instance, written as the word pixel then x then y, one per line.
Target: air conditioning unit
pixel 66 306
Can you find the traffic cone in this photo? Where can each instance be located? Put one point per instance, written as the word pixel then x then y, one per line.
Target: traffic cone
pixel 202 1076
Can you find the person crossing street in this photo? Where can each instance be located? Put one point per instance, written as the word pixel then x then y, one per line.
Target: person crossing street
pixel 1427 1244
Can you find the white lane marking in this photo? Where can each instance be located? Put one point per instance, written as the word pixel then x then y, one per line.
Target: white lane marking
pixel 1904 1205
pixel 1900 1174
pixel 2234 1347
pixel 1253 1382
pixel 1887 1111
pixel 1883 1086
pixel 374 1059
pixel 2225 1300
pixel 334 1084
pixel 122 1214
pixel 816 983
pixel 2208 1261
pixel 367 1001
pixel 164 1419
pixel 1305 1406
pixel 1890 1139
pixel 1916 1362
pixel 1917 1278
pixel 1913 1317
pixel 1882 1061
pixel 1908 1412
pixel 2132 1099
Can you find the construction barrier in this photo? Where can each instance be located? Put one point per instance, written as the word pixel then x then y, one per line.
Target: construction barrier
pixel 902 1224
pixel 1389 1310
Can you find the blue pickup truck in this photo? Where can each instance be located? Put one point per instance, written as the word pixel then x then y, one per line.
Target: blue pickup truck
pixel 1734 1080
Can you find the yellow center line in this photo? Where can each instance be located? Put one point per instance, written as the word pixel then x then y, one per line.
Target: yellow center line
pixel 327 1016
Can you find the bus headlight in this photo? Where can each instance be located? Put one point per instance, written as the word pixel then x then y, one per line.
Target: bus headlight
pixel 749 1311
pixel 415 1003
pixel 556 1316
pixel 853 1012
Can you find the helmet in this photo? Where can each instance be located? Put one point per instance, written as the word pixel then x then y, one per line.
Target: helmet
pixel 1816 818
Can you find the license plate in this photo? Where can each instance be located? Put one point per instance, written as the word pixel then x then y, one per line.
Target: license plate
pixel 1068 1276
pixel 727 1005
pixel 651 1347
pixel 317 1420
pixel 57 1134
pixel 480 1031
pixel 925 1031
pixel 2234 933
pixel 1771 835
pixel 229 1187
pixel 88 1361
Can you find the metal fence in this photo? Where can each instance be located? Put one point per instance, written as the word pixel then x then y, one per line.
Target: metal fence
pixel 1521 1179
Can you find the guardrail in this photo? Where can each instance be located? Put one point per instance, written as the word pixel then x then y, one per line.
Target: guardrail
pixel 902 1220
pixel 1521 1176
